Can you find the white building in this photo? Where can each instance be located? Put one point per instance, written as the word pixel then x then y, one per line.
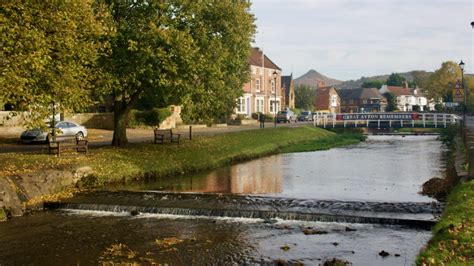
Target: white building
pixel 407 98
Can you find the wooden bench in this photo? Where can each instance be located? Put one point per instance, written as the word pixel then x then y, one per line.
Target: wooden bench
pixel 166 134
pixel 68 143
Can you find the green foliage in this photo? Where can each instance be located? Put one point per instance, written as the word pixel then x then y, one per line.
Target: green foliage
pixel 153 117
pixel 189 53
pixel 395 80
pixel 49 51
pixel 452 243
pixel 373 84
pixel 3 214
pixel 421 78
pixel 442 82
pixel 304 97
pixel 448 134
pixel 391 102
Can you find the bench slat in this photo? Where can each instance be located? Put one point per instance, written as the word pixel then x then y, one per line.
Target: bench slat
pixel 166 134
pixel 55 147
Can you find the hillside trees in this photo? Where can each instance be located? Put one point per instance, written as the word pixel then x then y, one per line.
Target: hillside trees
pixel 48 55
pixel 373 84
pixel 184 52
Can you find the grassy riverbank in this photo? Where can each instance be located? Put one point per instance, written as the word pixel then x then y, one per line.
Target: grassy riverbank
pixel 453 240
pixel 134 162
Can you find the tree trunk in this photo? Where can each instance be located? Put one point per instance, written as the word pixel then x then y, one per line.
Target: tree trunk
pixel 120 124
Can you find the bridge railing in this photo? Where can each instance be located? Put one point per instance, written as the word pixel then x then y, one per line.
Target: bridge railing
pixel 386 120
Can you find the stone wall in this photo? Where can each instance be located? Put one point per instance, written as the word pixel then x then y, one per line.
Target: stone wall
pixel 89 120
pixel 93 120
pixel 9 119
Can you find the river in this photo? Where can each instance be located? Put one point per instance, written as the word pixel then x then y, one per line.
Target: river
pixel 262 211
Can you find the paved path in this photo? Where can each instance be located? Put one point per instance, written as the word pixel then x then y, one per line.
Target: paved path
pixel 10 142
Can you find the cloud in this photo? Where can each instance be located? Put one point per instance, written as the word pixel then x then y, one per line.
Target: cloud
pixel 349 39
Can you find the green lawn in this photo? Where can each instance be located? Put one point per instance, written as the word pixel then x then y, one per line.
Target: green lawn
pixel 453 240
pixel 134 162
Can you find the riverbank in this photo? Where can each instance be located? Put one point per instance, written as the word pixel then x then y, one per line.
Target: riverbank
pixel 453 236
pixel 147 161
pixel 453 240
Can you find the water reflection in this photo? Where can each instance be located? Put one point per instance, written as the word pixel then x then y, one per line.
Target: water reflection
pixel 384 168
pixel 244 178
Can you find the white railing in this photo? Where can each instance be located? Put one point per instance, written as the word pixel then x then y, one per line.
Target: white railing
pixel 401 119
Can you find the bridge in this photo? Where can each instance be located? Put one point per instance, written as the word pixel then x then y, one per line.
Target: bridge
pixel 385 120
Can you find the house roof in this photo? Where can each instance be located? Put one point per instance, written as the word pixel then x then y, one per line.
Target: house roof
pixel 399 91
pixel 255 59
pixel 286 83
pixel 359 93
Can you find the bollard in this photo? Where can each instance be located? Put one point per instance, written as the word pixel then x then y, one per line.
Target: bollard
pixel 470 156
pixel 190 132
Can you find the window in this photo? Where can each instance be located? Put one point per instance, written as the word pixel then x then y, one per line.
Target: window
pixel 259 105
pixel 274 106
pixel 333 101
pixel 254 70
pixel 273 85
pixel 257 85
pixel 241 105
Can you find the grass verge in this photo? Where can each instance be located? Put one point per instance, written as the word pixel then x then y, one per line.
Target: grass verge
pixel 138 161
pixel 453 240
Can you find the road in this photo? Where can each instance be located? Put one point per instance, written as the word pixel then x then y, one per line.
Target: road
pixel 100 138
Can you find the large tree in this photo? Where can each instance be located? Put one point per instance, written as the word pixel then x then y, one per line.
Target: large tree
pixel 48 55
pixel 192 53
pixel 304 97
pixel 395 80
pixel 443 81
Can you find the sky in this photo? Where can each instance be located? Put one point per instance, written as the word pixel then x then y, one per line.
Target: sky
pixel 346 39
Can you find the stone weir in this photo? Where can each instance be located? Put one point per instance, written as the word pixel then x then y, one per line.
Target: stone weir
pixel 411 214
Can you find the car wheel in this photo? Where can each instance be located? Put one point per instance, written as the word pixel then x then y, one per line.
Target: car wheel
pixel 80 136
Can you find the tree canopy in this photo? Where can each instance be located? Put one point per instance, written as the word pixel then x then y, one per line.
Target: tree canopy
pixel 443 80
pixel 304 97
pixel 192 53
pixel 391 102
pixel 49 50
pixel 373 84
pixel 395 80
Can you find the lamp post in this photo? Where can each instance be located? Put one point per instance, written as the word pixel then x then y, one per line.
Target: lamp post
pixel 275 75
pixel 461 65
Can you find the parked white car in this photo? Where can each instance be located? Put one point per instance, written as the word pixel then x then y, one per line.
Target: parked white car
pixel 64 129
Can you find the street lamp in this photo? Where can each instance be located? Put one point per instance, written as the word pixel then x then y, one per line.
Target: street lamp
pixel 461 65
pixel 275 75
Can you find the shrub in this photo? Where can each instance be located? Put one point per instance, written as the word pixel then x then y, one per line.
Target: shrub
pixel 151 117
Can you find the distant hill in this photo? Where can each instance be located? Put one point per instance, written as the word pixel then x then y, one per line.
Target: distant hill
pixel 313 77
pixel 409 76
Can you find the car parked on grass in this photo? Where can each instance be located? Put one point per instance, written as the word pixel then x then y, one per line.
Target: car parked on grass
pixel 305 116
pixel 64 129
pixel 286 116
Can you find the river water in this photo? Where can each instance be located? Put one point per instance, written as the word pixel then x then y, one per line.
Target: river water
pixel 379 177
